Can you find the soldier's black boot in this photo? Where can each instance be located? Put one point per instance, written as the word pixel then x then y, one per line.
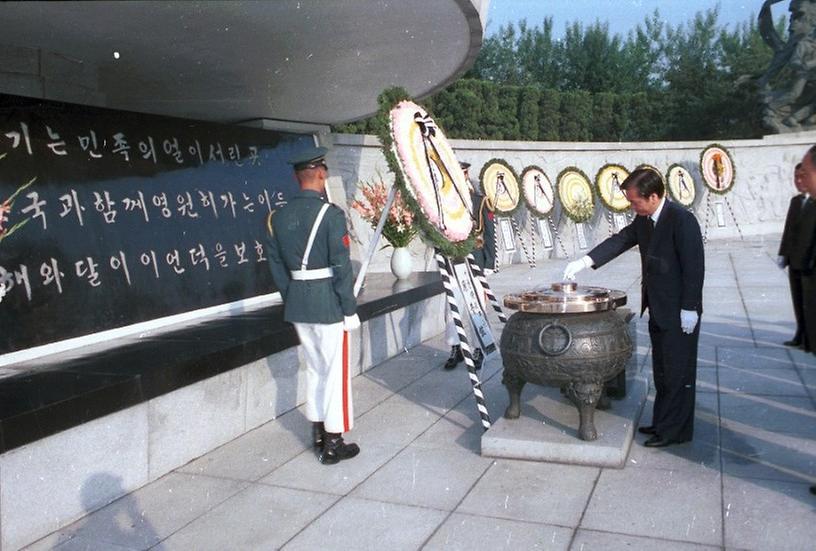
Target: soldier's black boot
pixel 455 357
pixel 478 358
pixel 318 433
pixel 335 450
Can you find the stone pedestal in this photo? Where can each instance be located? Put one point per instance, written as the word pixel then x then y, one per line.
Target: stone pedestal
pixel 547 430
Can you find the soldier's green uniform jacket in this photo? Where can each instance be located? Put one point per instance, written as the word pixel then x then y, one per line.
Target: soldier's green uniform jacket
pixel 314 301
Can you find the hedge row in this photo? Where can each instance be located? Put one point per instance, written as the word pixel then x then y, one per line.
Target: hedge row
pixel 478 109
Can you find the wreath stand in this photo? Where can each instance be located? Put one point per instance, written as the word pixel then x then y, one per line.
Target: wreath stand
pixel 719 215
pixel 468 279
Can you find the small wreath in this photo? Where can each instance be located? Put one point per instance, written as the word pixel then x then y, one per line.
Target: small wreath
pixel 717 168
pixel 500 185
pixel 680 184
pixel 538 192
pixel 607 184
pixel 575 194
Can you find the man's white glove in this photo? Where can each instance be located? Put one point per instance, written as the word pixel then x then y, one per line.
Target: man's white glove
pixel 576 266
pixel 688 320
pixel 350 323
pixel 2 291
pixel 780 261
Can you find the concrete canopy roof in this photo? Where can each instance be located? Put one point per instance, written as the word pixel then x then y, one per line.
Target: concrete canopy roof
pixel 295 60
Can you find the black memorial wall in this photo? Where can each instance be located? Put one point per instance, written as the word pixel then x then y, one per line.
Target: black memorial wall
pixel 129 217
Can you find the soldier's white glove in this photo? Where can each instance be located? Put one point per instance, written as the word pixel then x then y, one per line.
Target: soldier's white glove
pixel 576 266
pixel 2 291
pixel 688 320
pixel 780 261
pixel 350 323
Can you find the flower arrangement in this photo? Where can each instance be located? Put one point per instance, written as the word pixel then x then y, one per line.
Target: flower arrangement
pixel 582 211
pixel 399 228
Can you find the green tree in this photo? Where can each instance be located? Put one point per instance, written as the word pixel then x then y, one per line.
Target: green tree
pixel 529 97
pixel 508 102
pixel 576 116
pixel 549 115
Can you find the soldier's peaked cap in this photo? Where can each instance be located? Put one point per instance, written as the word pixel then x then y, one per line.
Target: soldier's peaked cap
pixel 305 157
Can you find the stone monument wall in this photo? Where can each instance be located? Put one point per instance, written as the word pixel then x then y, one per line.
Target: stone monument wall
pixel 758 200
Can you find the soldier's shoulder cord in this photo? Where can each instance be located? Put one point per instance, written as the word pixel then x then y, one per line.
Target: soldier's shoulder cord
pixel 269 223
pixel 480 226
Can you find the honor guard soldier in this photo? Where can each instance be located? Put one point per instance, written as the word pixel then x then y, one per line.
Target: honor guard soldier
pixel 484 254
pixel 485 251
pixel 311 266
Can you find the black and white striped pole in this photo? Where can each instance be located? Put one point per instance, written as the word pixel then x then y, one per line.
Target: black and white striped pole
pixel 480 276
pixel 445 270
pixel 530 259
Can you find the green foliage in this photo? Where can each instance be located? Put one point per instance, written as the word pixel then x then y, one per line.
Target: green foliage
pixel 508 119
pixel 549 115
pixel 529 96
pixel 696 80
pixel 576 116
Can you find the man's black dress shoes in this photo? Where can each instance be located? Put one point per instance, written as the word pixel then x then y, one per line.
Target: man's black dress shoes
pixel 647 430
pixel 658 441
pixel 793 342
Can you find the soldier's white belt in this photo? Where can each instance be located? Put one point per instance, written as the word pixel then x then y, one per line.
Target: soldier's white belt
pixel 308 275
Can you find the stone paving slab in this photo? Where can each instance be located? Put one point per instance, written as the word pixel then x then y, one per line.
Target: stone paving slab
pixel 462 532
pixel 548 430
pixel 784 414
pixel 260 517
pixel 592 540
pixel 250 456
pixel 754 358
pixel 748 452
pixel 768 515
pixel 678 505
pixel 306 473
pixel 548 493
pixel 437 478
pixel 151 514
pixel 361 524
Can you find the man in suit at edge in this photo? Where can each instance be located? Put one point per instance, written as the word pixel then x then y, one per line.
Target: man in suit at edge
pixel 484 254
pixel 792 240
pixel 672 272
pixel 808 173
pixel 311 266
pixel 806 248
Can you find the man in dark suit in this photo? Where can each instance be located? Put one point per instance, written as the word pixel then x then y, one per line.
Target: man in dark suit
pixel 804 253
pixel 791 249
pixel 484 254
pixel 808 175
pixel 672 272
pixel 311 266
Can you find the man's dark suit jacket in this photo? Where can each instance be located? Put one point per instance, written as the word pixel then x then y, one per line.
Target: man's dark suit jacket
pixel 672 261
pixel 790 234
pixel 800 241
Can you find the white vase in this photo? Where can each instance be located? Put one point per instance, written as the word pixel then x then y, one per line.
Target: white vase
pixel 401 262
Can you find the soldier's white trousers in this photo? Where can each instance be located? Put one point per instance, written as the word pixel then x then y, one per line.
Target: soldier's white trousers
pixel 328 377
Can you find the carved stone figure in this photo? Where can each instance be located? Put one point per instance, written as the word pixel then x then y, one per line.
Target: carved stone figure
pixel 790 106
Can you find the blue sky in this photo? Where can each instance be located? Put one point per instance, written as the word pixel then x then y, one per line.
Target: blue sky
pixel 622 15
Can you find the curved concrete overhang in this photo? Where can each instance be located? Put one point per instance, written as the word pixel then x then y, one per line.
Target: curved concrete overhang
pixel 321 62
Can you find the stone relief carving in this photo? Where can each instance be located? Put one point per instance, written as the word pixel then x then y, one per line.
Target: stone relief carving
pixel 790 107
